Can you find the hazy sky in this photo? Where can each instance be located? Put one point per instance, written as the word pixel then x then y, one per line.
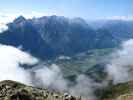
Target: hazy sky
pixel 88 9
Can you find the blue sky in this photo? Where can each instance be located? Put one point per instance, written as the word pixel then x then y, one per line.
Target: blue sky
pixel 88 9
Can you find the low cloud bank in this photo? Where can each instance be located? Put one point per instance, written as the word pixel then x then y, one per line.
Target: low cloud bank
pixel 3 27
pixel 10 58
pixel 119 69
pixel 52 78
pixel 42 76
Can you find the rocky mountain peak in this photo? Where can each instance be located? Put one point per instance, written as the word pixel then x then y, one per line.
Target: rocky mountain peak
pixel 19 19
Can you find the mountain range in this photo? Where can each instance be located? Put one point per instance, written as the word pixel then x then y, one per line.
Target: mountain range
pixel 51 36
pixel 75 45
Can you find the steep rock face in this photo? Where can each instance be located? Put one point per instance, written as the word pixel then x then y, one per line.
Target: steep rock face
pixel 52 36
pixel 11 90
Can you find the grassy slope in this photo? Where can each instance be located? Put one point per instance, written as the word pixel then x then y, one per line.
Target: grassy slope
pixel 83 63
pixel 113 92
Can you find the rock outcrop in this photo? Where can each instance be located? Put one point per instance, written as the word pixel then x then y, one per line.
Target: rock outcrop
pixel 11 90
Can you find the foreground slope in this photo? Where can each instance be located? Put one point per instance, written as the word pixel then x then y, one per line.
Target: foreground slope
pixel 11 90
pixel 122 91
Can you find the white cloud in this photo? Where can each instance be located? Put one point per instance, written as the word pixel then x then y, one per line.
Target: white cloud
pixel 41 76
pixel 120 18
pixel 120 68
pixel 50 77
pixel 3 27
pixel 10 58
pixel 84 87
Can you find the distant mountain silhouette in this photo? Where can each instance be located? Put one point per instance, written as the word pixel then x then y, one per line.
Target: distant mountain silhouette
pixel 51 36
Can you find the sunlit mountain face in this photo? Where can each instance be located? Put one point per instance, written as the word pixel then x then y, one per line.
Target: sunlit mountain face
pixel 51 36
